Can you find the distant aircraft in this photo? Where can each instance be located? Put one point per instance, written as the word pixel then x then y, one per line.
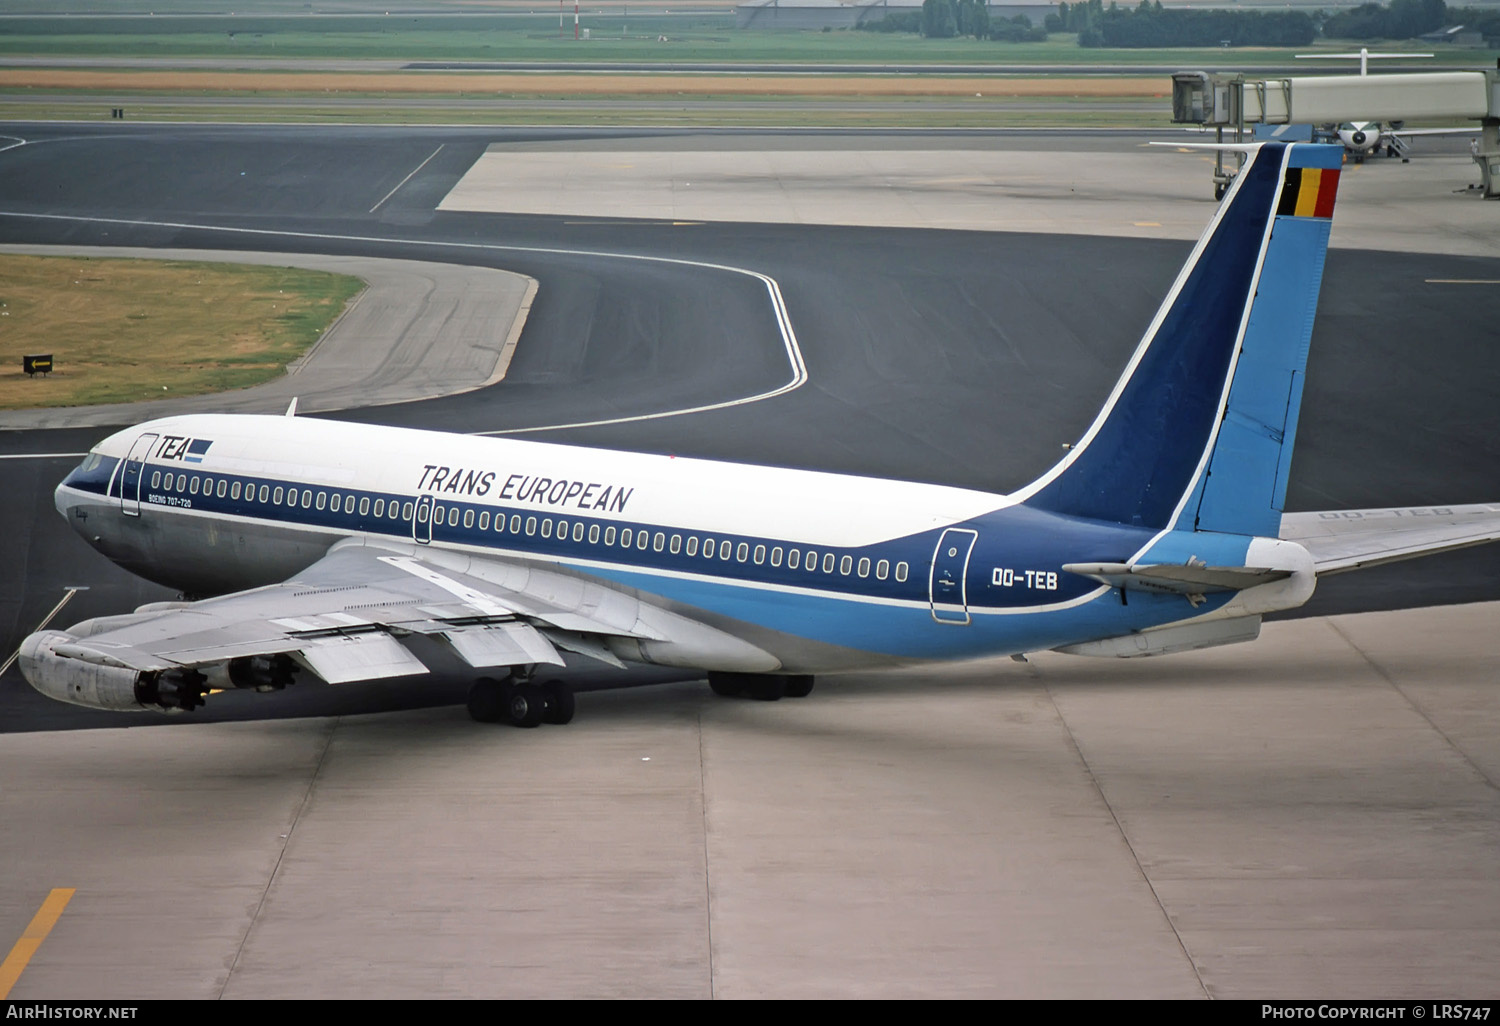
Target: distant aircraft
pixel 1363 139
pixel 332 547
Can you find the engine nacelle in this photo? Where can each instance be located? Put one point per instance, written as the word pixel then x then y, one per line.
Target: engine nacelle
pixel 99 686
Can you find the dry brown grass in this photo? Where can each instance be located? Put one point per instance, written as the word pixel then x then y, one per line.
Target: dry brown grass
pixel 645 84
pixel 123 330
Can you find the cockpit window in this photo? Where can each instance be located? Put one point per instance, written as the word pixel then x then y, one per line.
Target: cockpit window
pixel 90 462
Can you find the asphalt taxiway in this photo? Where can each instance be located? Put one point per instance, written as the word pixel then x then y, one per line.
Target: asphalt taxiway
pixel 1314 814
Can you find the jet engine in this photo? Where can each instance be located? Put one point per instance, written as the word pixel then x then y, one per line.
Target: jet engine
pixel 101 684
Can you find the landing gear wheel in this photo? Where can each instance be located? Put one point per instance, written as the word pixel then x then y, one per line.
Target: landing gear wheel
pixel 525 705
pixel 799 685
pixel 558 698
pixel 487 700
pixel 1219 190
pixel 727 685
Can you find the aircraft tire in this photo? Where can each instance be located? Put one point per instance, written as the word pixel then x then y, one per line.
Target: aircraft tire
pixel 525 705
pixel 486 702
pixel 726 685
pixel 1219 190
pixel 767 689
pixel 799 685
pixel 559 702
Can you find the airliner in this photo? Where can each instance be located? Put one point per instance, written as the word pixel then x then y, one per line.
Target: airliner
pixel 347 551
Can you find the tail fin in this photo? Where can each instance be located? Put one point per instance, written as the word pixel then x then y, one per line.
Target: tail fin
pixel 1198 431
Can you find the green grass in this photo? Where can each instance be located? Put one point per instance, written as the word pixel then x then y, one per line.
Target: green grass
pixel 123 330
pixel 709 37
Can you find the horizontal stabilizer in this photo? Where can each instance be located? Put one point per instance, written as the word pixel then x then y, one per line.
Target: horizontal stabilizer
pixel 1166 640
pixel 1177 578
pixel 1349 539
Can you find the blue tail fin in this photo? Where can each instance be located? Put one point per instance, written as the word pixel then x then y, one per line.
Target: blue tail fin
pixel 1198 431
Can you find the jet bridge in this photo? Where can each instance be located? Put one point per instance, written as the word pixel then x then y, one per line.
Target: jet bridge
pixel 1229 102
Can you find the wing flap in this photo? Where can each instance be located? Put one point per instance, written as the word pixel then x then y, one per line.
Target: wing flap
pixel 505 644
pixel 1342 540
pixel 346 658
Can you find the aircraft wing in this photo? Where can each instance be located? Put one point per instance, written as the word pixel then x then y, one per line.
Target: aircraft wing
pixel 346 617
pixel 1349 539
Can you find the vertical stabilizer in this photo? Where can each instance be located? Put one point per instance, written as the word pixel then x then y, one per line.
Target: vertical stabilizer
pixel 1198 430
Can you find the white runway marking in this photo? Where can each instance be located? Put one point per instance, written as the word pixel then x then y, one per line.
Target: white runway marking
pixel 42 455
pixel 778 304
pixel 408 178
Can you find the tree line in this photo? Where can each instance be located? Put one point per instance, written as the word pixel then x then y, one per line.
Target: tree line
pixel 1152 25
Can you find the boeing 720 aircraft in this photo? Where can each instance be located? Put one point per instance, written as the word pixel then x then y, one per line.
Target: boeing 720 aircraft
pixel 332 547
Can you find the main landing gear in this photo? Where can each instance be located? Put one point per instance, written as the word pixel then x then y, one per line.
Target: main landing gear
pixel 764 687
pixel 520 702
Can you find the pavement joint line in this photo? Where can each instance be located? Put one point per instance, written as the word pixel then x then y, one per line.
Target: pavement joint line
pixel 286 843
pixel 36 931
pixel 508 349
pixel 1415 706
pixel 1125 837
pixel 778 303
pixel 708 891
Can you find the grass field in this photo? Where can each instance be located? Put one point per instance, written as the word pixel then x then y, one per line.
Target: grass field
pixel 120 329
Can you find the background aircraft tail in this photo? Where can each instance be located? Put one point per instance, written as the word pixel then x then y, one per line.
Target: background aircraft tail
pixel 1198 431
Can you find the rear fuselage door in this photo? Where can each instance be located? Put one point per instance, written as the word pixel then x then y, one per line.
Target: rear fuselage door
pixel 133 474
pixel 950 567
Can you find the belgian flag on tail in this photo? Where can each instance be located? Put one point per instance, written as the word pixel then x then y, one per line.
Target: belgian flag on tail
pixel 1308 192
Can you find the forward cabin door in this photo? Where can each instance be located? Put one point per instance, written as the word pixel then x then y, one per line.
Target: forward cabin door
pixel 421 520
pixel 133 474
pixel 950 568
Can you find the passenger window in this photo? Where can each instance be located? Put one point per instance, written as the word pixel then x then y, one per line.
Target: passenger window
pixel 864 566
pixel 776 556
pixel 276 495
pixel 468 519
pixel 642 539
pixel 223 489
pixel 515 523
pixel 625 537
pixel 828 563
pixel 793 557
pixel 900 571
pixel 380 507
pixel 742 552
pixel 234 492
pixel 155 479
pixel 530 525
pixel 364 506
pixel 578 530
pixel 760 554
pixel 658 542
pixel 265 493
pixel 546 528
pixel 406 509
pixel 333 503
pixel 453 516
pixel 562 530
pixel 593 534
pixel 182 482
pixel 883 569
pixel 307 498
pixel 811 561
pixel 845 565
pixel 676 544
pixel 349 503
pixel 609 536
pixel 322 498
pixel 692 545
pixel 724 548
pixel 193 485
pixel 484 520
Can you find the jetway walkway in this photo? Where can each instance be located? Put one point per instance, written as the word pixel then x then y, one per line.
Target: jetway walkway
pixel 1229 102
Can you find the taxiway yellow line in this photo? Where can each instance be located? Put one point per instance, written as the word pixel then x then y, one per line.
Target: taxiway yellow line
pixel 41 924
